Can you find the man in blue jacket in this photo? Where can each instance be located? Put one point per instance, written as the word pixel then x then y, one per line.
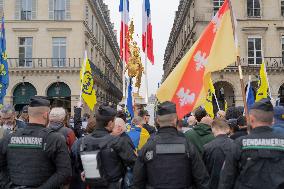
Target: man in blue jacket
pixel 278 126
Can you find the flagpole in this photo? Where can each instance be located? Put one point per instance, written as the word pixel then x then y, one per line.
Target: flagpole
pixel 239 66
pixel 123 49
pixel 268 82
pixel 217 101
pixel 82 76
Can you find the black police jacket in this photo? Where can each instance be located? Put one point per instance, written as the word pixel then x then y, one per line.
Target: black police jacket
pixel 169 160
pixel 121 146
pixel 214 156
pixel 149 128
pixel 255 162
pixel 35 157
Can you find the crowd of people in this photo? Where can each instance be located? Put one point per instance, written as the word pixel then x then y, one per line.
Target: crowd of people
pixel 45 148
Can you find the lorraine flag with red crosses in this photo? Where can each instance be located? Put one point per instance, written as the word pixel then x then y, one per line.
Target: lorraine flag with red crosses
pixel 188 83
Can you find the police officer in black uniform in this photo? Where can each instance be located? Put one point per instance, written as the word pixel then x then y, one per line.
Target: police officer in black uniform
pixel 168 159
pixel 256 160
pixel 101 157
pixel 34 157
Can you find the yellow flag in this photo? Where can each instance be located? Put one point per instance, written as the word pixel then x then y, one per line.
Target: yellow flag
pixel 209 100
pixel 226 105
pixel 144 136
pixel 87 84
pixel 213 51
pixel 262 91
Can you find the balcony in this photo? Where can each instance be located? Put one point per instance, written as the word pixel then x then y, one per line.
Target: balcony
pixel 275 64
pixel 18 64
pixel 106 82
pixel 62 64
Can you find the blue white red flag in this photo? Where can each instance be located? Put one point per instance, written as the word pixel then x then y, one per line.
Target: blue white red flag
pixel 147 38
pixel 124 47
pixel 250 95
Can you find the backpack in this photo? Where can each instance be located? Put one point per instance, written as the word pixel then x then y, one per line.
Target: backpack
pixel 92 154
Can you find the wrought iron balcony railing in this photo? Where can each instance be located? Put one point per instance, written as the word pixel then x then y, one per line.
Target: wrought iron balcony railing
pixel 46 63
pixel 271 62
pixel 110 85
pixel 62 63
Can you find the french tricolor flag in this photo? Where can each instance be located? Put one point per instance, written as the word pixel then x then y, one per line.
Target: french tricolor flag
pixel 124 47
pixel 147 39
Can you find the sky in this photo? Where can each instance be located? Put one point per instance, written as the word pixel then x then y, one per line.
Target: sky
pixel 162 16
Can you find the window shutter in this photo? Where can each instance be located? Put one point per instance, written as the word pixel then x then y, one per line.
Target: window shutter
pixel 1 8
pixel 68 14
pixel 51 9
pixel 17 9
pixel 34 8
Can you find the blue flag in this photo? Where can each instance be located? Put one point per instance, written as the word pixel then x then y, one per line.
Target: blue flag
pixel 250 96
pixel 129 103
pixel 4 73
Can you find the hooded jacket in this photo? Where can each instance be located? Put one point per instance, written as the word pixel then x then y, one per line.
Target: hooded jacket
pixel 67 133
pixel 200 135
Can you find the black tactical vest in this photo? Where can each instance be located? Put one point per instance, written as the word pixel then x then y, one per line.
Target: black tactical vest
pixel 28 163
pixel 261 158
pixel 169 164
pixel 109 163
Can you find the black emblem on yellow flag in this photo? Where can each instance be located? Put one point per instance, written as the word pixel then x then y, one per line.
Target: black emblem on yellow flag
pixel 88 83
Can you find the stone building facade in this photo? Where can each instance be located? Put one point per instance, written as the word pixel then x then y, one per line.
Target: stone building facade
pixel 260 34
pixel 46 40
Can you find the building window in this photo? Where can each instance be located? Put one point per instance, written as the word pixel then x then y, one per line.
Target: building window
pixel 253 7
pixel 59 9
pixel 97 31
pixel 87 14
pixel 254 50
pixel 282 41
pixel 92 54
pixel 216 5
pixel 26 9
pixel 25 51
pixel 282 7
pixel 58 51
pixel 92 23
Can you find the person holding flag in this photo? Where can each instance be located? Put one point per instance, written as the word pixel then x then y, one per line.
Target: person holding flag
pixel 4 72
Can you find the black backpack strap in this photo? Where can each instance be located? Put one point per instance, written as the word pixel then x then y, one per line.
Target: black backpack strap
pixel 44 134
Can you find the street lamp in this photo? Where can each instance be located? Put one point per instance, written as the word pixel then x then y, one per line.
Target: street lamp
pixel 57 88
